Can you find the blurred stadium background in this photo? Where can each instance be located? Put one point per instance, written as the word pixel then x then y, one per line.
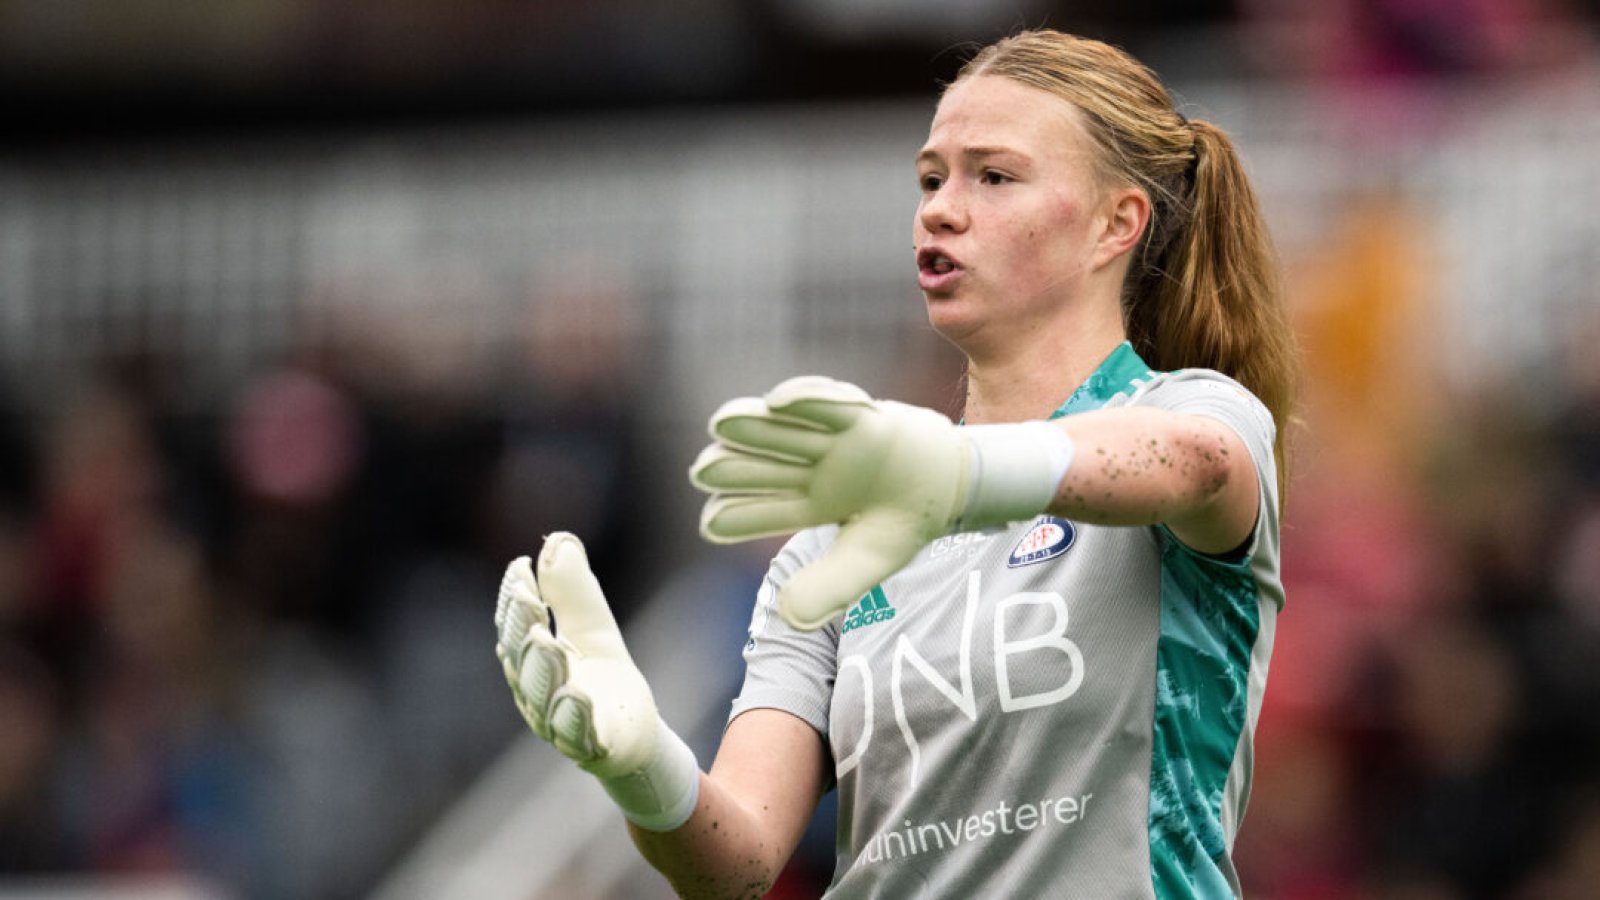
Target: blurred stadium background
pixel 313 313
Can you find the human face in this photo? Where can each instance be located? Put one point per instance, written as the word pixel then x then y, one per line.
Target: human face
pixel 1006 228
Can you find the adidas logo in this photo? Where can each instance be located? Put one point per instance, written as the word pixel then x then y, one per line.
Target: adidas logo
pixel 869 610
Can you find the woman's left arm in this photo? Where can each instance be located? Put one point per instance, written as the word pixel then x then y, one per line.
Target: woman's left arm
pixel 815 451
pixel 1142 466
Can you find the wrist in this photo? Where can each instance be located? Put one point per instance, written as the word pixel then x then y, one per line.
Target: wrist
pixel 1013 471
pixel 661 795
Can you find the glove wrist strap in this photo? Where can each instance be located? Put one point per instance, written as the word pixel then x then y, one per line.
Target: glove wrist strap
pixel 661 796
pixel 1014 471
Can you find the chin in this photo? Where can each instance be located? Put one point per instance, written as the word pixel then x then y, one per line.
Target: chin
pixel 952 322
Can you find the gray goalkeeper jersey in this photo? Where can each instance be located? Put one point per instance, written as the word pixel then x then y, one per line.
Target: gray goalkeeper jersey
pixel 1047 709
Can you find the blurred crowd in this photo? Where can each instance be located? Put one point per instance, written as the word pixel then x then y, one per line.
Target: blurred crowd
pixel 254 644
pixel 1431 729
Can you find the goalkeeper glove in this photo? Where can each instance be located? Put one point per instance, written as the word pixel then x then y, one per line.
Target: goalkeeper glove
pixel 894 477
pixel 577 687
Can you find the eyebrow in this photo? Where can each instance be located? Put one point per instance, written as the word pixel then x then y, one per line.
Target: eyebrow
pixel 972 153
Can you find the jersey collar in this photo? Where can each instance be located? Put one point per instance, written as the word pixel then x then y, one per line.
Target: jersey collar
pixel 1116 374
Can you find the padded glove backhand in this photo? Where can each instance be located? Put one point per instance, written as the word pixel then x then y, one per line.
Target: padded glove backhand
pixel 816 451
pixel 578 688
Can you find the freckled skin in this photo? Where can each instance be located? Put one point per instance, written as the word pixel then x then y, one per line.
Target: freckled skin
pixel 744 826
pixel 1144 466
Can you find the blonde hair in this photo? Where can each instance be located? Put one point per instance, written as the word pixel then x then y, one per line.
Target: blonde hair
pixel 1204 288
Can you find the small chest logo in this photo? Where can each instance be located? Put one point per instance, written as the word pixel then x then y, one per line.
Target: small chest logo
pixel 869 610
pixel 1047 539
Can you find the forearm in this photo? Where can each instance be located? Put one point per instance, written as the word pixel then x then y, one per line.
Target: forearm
pixel 1143 466
pixel 721 853
pixel 583 693
pixel 750 812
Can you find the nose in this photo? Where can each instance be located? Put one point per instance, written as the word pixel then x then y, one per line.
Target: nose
pixel 943 210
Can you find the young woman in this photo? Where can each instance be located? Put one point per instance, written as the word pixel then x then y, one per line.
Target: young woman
pixel 1028 650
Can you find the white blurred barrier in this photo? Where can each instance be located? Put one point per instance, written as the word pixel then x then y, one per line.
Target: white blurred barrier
pixel 154 887
pixel 532 827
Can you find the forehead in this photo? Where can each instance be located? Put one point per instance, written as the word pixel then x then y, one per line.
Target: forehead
pixel 994 111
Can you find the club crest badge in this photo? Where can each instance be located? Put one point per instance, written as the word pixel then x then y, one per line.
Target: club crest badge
pixel 1047 539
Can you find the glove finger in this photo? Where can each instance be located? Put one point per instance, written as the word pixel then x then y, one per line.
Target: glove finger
pixel 833 405
pixel 748 425
pixel 543 674
pixel 731 519
pixel 544 669
pixel 537 717
pixel 573 594
pixel 721 469
pixel 506 586
pixel 572 727
pixel 863 554
pixel 519 606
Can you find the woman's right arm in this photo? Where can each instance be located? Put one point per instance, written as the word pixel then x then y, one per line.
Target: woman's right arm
pixel 752 808
pixel 723 834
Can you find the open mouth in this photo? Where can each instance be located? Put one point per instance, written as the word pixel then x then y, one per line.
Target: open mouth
pixel 937 271
pixel 932 261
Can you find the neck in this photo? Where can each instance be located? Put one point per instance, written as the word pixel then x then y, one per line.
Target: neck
pixel 1031 381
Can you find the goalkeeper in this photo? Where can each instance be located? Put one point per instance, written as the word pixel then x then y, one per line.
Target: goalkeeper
pixel 1028 650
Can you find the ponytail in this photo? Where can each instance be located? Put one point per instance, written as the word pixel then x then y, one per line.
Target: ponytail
pixel 1212 297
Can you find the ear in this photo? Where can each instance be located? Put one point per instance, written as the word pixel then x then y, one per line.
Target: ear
pixel 1124 214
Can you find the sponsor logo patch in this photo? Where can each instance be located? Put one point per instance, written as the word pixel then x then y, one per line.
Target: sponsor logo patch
pixel 1047 539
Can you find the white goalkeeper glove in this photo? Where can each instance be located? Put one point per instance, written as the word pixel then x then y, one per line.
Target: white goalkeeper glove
pixel 894 477
pixel 577 687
